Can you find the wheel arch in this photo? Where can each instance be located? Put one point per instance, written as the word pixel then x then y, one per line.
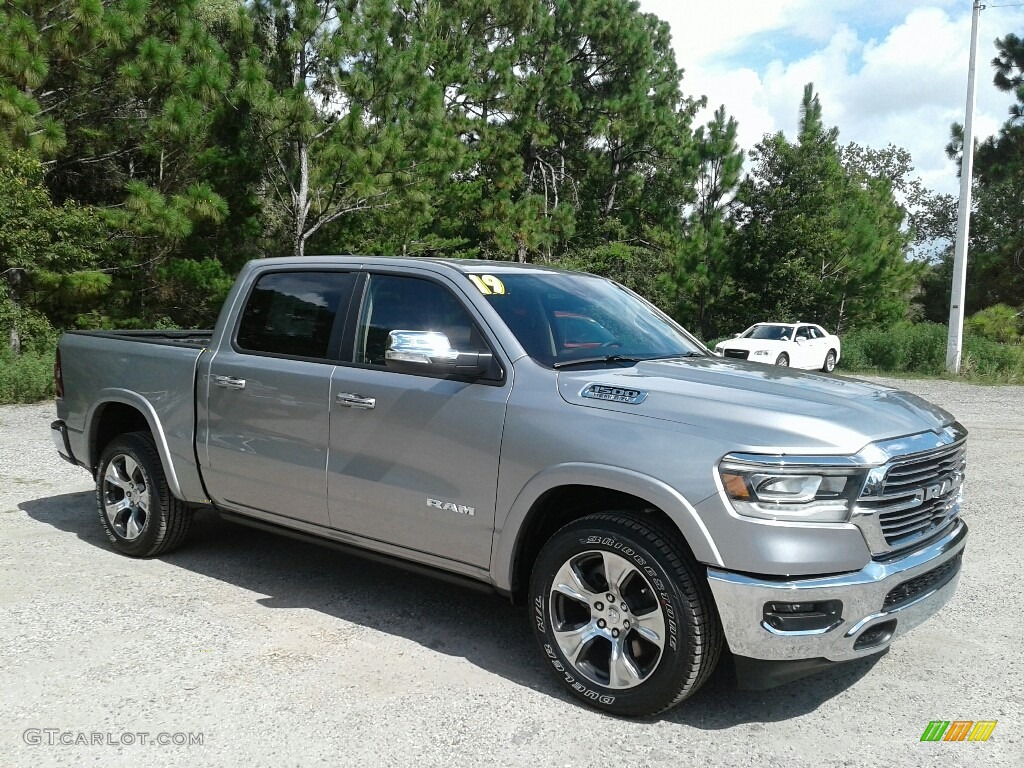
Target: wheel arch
pixel 559 495
pixel 116 412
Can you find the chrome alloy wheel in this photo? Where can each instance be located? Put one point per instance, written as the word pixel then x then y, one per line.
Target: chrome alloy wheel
pixel 126 497
pixel 606 619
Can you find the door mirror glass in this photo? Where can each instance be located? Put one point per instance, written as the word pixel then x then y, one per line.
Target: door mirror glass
pixel 432 352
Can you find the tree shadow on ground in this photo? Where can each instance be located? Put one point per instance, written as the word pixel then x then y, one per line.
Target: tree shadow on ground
pixel 486 630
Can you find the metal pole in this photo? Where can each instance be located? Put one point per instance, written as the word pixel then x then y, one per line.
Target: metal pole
pixel 954 343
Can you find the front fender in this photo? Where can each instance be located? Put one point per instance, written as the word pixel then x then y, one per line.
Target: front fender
pixel 508 537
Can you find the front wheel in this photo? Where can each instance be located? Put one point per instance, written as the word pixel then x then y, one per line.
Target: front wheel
pixel 623 614
pixel 137 510
pixel 830 362
pixel 782 360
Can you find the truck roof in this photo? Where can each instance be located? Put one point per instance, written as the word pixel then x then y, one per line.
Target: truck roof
pixel 464 266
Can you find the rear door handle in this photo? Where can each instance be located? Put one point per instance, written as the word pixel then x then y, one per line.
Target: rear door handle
pixel 229 382
pixel 350 400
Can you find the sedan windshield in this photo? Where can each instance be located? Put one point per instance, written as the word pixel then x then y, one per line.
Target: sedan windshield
pixel 770 332
pixel 560 318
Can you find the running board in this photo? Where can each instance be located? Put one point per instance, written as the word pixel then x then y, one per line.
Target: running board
pixel 364 554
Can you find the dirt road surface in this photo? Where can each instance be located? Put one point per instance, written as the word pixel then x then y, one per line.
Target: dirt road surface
pixel 276 653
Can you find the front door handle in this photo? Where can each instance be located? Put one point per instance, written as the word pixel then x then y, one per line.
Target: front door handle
pixel 229 382
pixel 350 400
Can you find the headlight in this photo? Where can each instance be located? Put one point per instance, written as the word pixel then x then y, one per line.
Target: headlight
pixel 761 352
pixel 774 490
pixel 718 350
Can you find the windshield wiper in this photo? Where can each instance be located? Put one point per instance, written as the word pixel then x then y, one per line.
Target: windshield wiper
pixel 677 356
pixel 604 359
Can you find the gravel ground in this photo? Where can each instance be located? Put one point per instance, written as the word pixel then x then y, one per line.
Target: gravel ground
pixel 280 653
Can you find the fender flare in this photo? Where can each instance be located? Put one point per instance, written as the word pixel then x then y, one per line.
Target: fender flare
pixel 126 397
pixel 508 538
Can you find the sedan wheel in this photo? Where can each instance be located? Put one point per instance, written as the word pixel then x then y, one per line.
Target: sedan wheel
pixel 830 362
pixel 782 360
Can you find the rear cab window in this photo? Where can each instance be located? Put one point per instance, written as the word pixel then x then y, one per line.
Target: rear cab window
pixel 296 314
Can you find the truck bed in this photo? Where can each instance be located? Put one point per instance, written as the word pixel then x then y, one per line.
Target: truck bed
pixel 198 339
pixel 152 371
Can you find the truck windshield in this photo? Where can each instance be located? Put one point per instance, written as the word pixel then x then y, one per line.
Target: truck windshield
pixel 560 318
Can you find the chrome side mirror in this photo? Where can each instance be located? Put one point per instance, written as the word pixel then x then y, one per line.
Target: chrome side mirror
pixel 431 352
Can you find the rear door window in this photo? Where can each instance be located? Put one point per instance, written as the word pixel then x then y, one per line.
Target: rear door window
pixel 296 314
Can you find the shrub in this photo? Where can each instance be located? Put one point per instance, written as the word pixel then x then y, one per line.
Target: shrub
pixel 26 378
pixel 921 349
pixel 997 323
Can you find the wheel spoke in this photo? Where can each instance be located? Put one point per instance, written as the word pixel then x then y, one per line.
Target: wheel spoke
pixel 622 673
pixel 114 477
pixel 616 570
pixel 114 510
pixel 651 627
pixel 130 467
pixel 573 641
pixel 133 525
pixel 568 582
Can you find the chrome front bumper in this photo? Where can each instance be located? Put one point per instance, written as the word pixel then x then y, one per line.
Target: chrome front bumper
pixel 741 601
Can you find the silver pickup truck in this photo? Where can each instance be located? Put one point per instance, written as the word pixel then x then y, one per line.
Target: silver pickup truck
pixel 546 434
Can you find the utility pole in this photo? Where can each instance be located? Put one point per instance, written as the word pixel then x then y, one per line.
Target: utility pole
pixel 955 340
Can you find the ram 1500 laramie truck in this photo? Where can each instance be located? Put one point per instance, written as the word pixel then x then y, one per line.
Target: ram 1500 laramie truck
pixel 547 434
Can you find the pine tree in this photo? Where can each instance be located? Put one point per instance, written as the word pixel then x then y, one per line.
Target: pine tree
pixel 818 242
pixel 701 267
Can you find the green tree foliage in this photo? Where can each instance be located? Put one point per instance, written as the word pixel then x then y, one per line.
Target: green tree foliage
pixel 351 118
pixel 818 241
pixel 46 259
pixel 700 273
pixel 150 147
pixel 118 100
pixel 638 268
pixel 995 267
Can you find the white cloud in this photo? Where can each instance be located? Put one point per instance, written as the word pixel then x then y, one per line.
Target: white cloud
pixel 893 71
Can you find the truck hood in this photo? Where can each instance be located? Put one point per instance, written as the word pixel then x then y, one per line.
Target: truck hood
pixel 758 408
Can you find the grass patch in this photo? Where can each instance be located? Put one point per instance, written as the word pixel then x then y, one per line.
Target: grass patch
pixel 920 350
pixel 26 378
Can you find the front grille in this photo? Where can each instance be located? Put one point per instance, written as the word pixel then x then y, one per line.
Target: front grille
pixel 919 497
pixel 936 578
pixel 740 354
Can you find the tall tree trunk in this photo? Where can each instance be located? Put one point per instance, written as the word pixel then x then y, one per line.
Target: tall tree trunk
pixel 301 201
pixel 13 277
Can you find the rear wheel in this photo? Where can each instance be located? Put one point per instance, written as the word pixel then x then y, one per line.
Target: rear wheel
pixel 137 510
pixel 623 615
pixel 782 360
pixel 830 362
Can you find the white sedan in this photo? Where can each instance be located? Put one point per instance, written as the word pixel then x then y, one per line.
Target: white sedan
pixel 799 345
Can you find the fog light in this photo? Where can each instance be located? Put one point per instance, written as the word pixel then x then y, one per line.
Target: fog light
pixel 803 617
pixel 876 635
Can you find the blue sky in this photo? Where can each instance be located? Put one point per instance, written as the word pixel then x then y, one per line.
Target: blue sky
pixel 888 71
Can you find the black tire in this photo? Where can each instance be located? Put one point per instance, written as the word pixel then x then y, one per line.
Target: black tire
pixel 146 519
pixel 782 360
pixel 661 583
pixel 830 362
